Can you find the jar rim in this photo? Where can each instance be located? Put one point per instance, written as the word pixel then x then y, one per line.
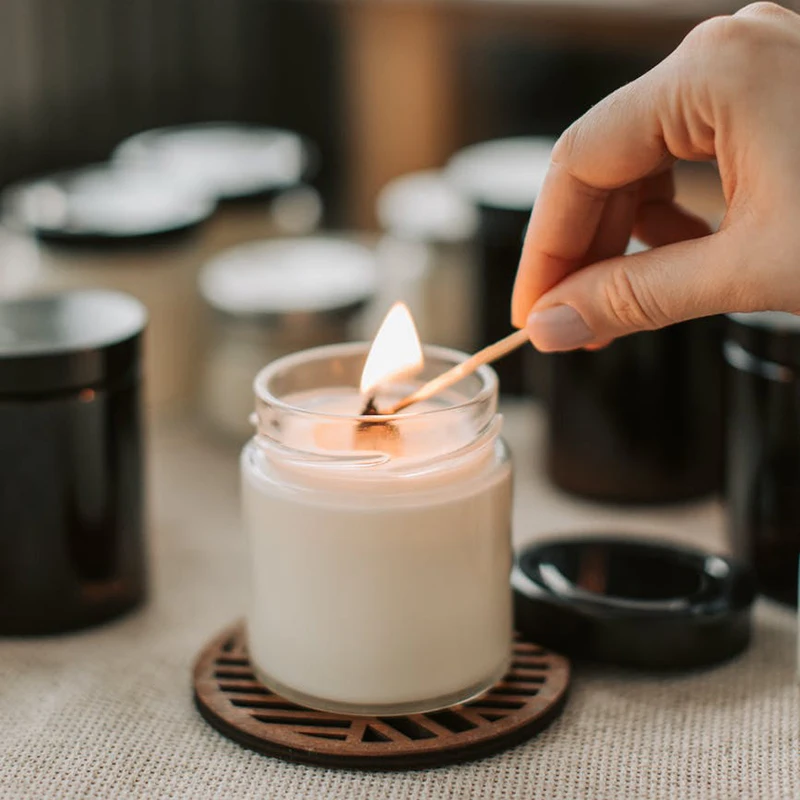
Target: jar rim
pixel 487 376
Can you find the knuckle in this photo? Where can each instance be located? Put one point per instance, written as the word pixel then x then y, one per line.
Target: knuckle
pixel 729 51
pixel 569 155
pixel 763 10
pixel 739 37
pixel 566 146
pixel 630 304
pixel 715 33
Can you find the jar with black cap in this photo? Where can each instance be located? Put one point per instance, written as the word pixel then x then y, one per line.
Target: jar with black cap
pixel 503 178
pixel 71 529
pixel 427 258
pixel 258 175
pixel 135 232
pixel 639 421
pixel 272 298
pixel 762 493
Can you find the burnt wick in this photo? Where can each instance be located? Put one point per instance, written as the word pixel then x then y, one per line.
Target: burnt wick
pixel 370 409
pixel 374 434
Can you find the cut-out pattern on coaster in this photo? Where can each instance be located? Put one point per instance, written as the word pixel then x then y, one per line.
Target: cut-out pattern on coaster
pixel 231 699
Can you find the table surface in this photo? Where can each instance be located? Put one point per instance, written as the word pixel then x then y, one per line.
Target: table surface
pixel 108 713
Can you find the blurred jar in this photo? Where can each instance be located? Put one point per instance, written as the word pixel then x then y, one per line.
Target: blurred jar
pixel 639 421
pixel 428 260
pixel 762 352
pixel 270 299
pixel 98 227
pixel 19 264
pixel 256 174
pixel 503 178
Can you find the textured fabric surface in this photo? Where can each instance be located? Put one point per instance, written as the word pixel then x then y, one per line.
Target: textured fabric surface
pixel 108 713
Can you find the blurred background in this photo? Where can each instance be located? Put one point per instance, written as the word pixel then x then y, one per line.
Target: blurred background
pixel 381 87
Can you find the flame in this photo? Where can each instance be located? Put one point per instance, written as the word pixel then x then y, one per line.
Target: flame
pixel 396 351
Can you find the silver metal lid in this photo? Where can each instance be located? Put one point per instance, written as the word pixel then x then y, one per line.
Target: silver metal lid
pixel 503 173
pixel 282 277
pixel 424 206
pixel 104 202
pixel 226 160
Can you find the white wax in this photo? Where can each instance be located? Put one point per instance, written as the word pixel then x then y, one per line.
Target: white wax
pixel 372 589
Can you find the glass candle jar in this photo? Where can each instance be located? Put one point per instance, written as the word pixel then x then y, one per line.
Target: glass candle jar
pixel 380 549
pixel 762 352
pixel 71 529
pixel 427 258
pixel 257 175
pixel 97 227
pixel 503 178
pixel 268 299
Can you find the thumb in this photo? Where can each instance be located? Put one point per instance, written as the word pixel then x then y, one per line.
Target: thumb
pixel 639 292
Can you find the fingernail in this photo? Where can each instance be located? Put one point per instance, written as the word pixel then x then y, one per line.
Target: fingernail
pixel 558 328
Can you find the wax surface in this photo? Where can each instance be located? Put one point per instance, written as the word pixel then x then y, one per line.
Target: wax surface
pixel 414 436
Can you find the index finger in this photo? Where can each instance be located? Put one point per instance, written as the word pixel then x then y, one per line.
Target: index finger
pixel 616 143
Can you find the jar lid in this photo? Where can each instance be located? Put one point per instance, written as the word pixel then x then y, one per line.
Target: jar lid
pixel 424 206
pixel 229 161
pixel 503 173
pixel 775 321
pixel 634 603
pixel 280 277
pixel 99 204
pixel 772 336
pixel 70 340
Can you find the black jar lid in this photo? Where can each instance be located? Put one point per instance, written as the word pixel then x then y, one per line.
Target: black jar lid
pixel 101 205
pixel 229 161
pixel 773 336
pixel 632 602
pixel 68 341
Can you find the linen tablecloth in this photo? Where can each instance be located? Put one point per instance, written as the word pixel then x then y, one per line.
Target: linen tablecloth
pixel 108 713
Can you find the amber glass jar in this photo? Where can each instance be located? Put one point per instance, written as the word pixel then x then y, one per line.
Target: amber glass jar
pixel 762 352
pixel 641 420
pixel 71 528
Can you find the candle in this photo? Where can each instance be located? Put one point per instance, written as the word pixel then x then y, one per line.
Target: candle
pixel 380 547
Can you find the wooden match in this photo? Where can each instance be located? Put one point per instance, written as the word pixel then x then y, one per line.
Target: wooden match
pixel 461 371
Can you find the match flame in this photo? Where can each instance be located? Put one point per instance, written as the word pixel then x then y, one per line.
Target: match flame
pixel 396 351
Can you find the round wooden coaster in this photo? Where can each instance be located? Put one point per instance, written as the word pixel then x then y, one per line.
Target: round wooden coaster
pixel 230 699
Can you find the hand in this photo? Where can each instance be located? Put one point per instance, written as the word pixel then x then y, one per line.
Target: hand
pixel 730 91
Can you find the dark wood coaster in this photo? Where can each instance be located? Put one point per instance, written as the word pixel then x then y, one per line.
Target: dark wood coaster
pixel 231 699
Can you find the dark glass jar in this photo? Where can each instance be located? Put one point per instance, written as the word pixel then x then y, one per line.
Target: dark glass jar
pixel 503 178
pixel 762 352
pixel 71 537
pixel 641 420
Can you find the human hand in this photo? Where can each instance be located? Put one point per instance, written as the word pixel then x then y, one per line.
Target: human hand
pixel 730 91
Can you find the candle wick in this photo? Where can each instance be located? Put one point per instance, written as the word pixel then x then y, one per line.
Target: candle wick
pixel 370 409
